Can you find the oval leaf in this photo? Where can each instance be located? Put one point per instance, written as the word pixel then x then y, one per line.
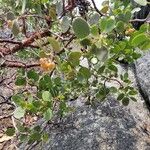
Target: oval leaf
pixel 10 131
pixel 48 114
pixel 65 24
pixel 46 96
pixel 81 28
pixel 55 44
pixel 19 113
pixel 139 39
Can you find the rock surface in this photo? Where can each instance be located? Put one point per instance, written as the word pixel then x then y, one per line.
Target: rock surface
pixel 107 126
pixel 143 76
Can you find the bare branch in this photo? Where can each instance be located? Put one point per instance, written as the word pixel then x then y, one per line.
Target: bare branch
pixel 101 14
pixel 25 43
pixel 18 64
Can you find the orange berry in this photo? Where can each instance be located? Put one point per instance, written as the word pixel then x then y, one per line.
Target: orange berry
pixel 129 31
pixel 46 64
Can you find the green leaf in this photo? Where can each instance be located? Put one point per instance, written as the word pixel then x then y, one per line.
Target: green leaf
pixel 102 93
pixel 141 2
pixel 10 131
pixel 17 99
pixel 46 96
pixel 23 137
pixel 10 16
pixel 133 99
pixel 133 92
pixel 95 30
pixel 127 15
pixel 52 12
pixel 19 113
pixel 36 136
pixel 74 57
pixel 120 26
pixel 94 18
pixel 15 28
pixel 45 137
pixel 20 81
pixel 107 25
pixel 138 39
pixel 48 114
pixel 33 75
pixel 146 45
pixel 84 72
pixel 37 128
pixel 120 96
pixel 45 83
pixel 113 68
pixel 85 42
pixel 125 101
pixel 126 76
pixel 81 28
pixel 65 24
pixel 55 44
pixel 101 69
pixel 113 89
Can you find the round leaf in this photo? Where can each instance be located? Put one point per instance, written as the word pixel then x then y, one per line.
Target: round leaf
pixel 20 81
pixel 81 28
pixel 19 113
pixel 125 101
pixel 33 75
pixel 55 44
pixel 10 131
pixel 65 24
pixel 46 96
pixel 48 114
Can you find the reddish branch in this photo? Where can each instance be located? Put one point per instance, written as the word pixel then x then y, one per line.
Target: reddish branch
pixel 10 41
pixel 16 64
pixel 25 43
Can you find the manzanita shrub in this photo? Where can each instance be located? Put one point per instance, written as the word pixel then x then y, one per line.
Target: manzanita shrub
pixel 79 56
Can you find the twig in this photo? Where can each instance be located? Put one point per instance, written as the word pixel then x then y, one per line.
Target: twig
pixel 25 43
pixel 138 20
pixel 10 41
pixel 70 40
pixel 17 64
pixel 31 15
pixel 101 14
pixel 7 116
pixel 121 85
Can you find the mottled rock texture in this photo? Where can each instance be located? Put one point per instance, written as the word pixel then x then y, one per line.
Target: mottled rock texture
pixel 143 76
pixel 106 126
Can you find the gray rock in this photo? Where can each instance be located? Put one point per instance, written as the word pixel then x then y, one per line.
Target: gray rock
pixel 106 126
pixel 143 76
pixel 5 33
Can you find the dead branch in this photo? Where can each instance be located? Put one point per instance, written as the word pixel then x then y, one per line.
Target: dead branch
pixel 16 64
pixel 25 43
pixel 101 14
